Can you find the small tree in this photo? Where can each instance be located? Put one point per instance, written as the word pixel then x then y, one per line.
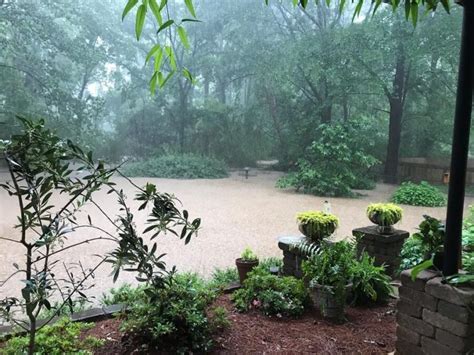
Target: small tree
pixel 41 165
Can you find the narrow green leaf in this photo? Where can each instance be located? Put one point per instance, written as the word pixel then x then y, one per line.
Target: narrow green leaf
pixel 130 5
pixel 407 8
pixel 341 5
pixel 190 20
pixel 183 36
pixel 414 12
pixel 153 82
pixel 187 74
pixel 165 25
pixel 152 52
pixel 140 20
pixel 421 267
pixel 158 60
pixel 446 6
pixel 357 9
pixel 190 6
pixel 155 8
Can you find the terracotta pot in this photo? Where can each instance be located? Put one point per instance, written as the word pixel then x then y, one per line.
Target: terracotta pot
pixel 330 306
pixel 315 234
pixel 244 267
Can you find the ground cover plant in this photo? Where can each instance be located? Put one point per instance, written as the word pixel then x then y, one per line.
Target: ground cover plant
pixel 178 166
pixel 271 294
pixel 63 337
pixel 422 194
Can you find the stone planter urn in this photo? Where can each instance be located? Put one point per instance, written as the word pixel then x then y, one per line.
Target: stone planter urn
pixel 384 215
pixel 331 305
pixel 316 225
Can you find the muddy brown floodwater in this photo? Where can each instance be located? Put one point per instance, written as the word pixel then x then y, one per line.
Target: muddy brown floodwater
pixel 235 213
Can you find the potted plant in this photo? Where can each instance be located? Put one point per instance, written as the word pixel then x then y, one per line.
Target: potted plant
pixel 317 225
pixel 247 261
pixel 329 274
pixel 384 215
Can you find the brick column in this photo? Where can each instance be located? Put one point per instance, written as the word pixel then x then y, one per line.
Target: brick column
pixel 385 248
pixel 433 317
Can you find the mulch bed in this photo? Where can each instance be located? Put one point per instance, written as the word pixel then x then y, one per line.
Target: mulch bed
pixel 367 331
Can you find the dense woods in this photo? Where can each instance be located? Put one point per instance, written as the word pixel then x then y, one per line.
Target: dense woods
pixel 264 78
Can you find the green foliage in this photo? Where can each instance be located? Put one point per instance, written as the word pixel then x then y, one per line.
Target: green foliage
pixel 174 317
pixel 413 253
pixel 422 194
pixel 221 278
pixel 386 214
pixel 332 164
pixel 125 294
pixel 330 265
pixel 248 255
pixel 273 295
pixel 63 337
pixel 219 319
pixel 268 263
pixel 370 283
pixel 178 166
pixel 421 245
pixel 318 218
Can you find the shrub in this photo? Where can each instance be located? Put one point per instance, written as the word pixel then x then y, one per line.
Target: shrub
pixel 422 194
pixel 178 166
pixel 333 165
pixel 221 278
pixel 125 294
pixel 369 282
pixel 63 337
pixel 273 295
pixel 174 316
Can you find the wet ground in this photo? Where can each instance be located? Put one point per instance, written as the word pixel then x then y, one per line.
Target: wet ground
pixel 235 213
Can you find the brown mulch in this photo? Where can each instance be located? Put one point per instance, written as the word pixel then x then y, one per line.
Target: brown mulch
pixel 366 331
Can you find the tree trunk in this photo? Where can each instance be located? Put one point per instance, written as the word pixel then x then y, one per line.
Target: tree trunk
pixel 396 100
pixel 394 138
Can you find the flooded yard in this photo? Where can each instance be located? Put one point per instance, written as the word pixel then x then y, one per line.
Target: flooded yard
pixel 235 213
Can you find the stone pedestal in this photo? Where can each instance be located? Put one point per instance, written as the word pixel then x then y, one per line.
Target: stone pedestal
pixel 385 248
pixel 291 258
pixel 434 318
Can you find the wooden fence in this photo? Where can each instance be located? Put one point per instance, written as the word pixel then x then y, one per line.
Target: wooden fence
pixel 431 170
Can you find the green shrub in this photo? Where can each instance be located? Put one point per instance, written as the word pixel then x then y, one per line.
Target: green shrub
pixel 178 166
pixel 125 294
pixel 422 194
pixel 63 337
pixel 221 278
pixel 421 245
pixel 370 284
pixel 334 164
pixel 273 295
pixel 174 316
